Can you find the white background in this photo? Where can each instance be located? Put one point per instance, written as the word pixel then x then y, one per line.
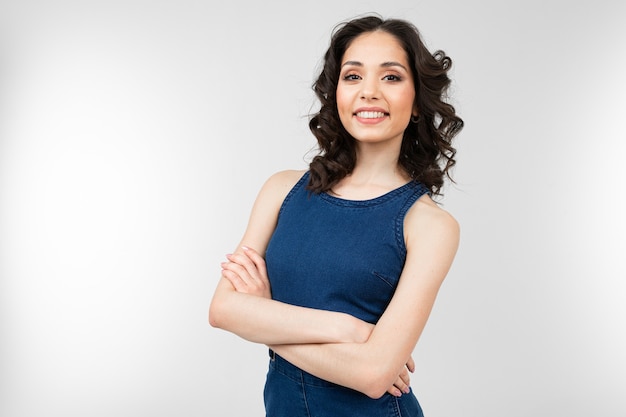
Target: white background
pixel 134 136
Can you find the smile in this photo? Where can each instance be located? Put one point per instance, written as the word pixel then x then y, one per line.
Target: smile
pixel 371 114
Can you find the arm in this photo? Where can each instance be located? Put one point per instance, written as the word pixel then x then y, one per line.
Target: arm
pixel 432 237
pixel 247 274
pixel 260 319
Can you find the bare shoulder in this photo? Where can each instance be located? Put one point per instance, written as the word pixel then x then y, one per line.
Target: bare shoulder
pixel 285 179
pixel 427 220
pixel 279 184
pixel 266 207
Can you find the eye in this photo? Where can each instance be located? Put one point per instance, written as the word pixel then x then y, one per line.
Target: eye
pixel 351 77
pixel 392 77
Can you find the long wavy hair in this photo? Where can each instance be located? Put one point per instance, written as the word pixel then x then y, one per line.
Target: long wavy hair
pixel 426 153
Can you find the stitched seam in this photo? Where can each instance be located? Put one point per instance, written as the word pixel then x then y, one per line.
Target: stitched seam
pixel 292 192
pixel 306 404
pixel 366 203
pixel 419 191
pixel 397 412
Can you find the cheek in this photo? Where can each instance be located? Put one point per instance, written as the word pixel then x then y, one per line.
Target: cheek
pixel 340 97
pixel 406 104
pixel 344 104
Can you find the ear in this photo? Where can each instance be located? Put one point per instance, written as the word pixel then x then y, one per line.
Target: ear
pixel 416 110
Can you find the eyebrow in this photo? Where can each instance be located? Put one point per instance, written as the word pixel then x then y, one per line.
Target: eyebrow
pixel 384 64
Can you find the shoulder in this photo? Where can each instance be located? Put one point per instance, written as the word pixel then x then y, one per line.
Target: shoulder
pixel 279 184
pixel 276 188
pixel 427 221
pixel 287 178
pixel 266 207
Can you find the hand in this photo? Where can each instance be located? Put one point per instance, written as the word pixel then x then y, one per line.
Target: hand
pixel 247 273
pixel 402 383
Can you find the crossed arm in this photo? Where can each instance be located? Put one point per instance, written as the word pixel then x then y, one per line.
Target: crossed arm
pixel 336 346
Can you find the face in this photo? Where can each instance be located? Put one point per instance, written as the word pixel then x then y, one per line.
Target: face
pixel 375 92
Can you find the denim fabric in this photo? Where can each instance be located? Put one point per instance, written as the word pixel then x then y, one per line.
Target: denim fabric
pixel 291 392
pixel 340 255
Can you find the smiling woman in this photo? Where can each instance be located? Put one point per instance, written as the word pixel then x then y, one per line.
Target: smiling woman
pixel 134 139
pixel 399 64
pixel 340 265
pixel 376 96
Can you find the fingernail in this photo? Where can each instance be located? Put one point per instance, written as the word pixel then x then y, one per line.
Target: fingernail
pixel 245 248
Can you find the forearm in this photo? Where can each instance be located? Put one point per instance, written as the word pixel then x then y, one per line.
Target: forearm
pixel 359 366
pixel 269 322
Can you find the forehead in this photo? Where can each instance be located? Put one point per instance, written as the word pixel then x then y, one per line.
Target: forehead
pixel 376 46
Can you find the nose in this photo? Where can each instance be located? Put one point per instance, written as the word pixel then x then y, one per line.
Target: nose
pixel 369 89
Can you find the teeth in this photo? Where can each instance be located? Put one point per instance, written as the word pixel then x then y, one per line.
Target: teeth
pixel 370 114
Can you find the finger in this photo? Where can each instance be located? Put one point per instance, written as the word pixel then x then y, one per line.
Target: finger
pixel 254 257
pixel 406 389
pixel 254 283
pixel 245 262
pixel 394 391
pixel 235 267
pixel 411 364
pixel 259 262
pixel 235 280
pixel 399 387
pixel 403 382
pixel 255 265
pixel 402 388
pixel 241 272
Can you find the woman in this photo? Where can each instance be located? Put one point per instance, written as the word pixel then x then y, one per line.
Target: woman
pixel 339 267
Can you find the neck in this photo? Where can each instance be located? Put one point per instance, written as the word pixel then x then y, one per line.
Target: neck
pixel 376 165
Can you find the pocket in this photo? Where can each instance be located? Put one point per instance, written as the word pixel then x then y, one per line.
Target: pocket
pixel 282 396
pixel 372 294
pixel 392 283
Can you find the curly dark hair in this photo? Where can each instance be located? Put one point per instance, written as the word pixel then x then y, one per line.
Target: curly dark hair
pixel 426 153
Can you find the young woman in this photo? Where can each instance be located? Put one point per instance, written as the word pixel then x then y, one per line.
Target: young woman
pixel 340 265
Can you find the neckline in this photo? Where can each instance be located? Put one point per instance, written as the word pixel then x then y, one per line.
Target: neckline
pixel 370 201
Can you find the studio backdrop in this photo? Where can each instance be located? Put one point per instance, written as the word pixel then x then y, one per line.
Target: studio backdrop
pixel 135 135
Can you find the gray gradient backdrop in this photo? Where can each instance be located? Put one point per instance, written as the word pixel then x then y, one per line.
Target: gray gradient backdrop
pixel 134 136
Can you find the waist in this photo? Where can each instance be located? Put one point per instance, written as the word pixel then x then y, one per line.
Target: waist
pixel 291 371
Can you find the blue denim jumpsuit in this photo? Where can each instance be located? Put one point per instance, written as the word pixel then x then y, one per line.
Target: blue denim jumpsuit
pixel 339 255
